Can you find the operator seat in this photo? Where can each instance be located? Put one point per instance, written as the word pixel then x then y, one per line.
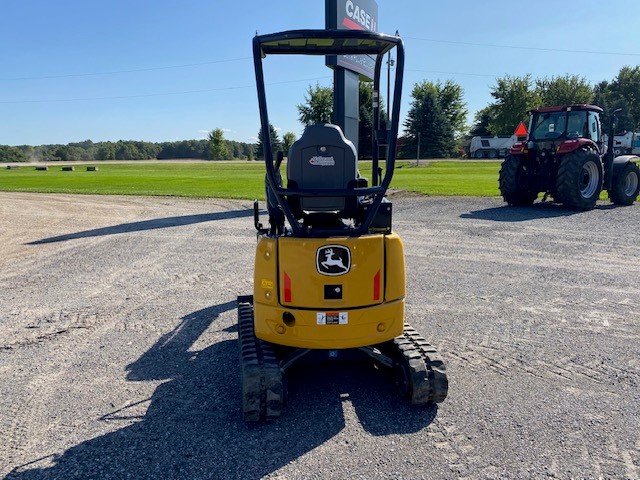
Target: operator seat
pixel 323 158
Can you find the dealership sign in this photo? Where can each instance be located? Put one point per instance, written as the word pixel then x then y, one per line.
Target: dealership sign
pixel 352 15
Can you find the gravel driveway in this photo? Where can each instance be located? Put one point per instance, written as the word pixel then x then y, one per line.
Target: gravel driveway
pixel 118 352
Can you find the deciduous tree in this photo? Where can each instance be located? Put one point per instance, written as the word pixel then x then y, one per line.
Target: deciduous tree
pixel 514 97
pixel 626 86
pixel 564 90
pixel 317 106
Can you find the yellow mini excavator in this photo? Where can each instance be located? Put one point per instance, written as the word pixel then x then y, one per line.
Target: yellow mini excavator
pixel 329 271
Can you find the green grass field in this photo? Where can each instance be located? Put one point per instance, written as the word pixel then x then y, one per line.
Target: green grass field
pixel 235 179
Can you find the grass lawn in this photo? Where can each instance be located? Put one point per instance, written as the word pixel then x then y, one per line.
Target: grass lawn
pixel 468 178
pixel 235 179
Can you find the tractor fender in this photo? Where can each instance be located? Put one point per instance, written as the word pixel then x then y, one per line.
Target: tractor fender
pixel 620 162
pixel 575 143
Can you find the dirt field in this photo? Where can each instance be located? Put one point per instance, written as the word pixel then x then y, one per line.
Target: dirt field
pixel 118 352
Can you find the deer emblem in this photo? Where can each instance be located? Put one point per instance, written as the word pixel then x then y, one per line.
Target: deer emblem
pixel 333 259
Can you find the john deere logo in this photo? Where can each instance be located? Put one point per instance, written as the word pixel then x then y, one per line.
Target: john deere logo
pixel 333 260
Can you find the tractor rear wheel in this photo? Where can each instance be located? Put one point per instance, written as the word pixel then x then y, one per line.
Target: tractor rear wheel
pixel 514 179
pixel 626 185
pixel 579 180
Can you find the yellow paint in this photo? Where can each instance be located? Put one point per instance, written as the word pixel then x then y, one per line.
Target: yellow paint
pixel 266 269
pixel 297 257
pixel 394 263
pixel 362 330
pixel 369 321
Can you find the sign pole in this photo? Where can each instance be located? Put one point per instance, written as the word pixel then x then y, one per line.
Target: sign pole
pixel 347 70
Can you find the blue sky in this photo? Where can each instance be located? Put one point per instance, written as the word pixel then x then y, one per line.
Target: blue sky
pixel 197 72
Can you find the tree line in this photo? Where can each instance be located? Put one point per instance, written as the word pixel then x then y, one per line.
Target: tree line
pixel 436 120
pixel 514 96
pixel 128 150
pixel 435 123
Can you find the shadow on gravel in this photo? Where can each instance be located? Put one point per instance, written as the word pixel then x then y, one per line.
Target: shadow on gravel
pixel 193 427
pixel 521 214
pixel 148 225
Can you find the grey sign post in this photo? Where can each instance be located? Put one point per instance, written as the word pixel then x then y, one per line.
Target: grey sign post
pixel 348 69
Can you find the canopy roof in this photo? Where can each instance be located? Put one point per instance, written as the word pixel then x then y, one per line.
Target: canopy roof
pixel 326 42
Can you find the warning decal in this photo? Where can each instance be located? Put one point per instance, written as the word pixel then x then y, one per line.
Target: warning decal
pixel 332 318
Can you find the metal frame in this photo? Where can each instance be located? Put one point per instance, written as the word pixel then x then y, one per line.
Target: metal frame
pixel 339 42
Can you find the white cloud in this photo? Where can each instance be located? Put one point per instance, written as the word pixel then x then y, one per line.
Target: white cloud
pixel 255 139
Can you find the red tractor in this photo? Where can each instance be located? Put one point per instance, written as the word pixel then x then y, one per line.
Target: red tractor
pixel 564 156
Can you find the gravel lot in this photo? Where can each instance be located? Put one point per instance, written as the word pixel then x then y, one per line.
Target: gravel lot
pixel 118 354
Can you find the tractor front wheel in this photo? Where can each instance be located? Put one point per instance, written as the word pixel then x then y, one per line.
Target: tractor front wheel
pixel 626 185
pixel 579 180
pixel 514 182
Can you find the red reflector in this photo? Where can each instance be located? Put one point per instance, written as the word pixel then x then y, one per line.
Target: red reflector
pixel 376 286
pixel 287 288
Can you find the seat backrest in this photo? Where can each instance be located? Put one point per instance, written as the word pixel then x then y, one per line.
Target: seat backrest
pixel 322 158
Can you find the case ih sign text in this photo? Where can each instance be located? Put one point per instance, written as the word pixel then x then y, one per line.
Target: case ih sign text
pixel 353 15
pixel 357 18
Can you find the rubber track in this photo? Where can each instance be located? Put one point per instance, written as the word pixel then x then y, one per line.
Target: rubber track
pixel 429 383
pixel 262 387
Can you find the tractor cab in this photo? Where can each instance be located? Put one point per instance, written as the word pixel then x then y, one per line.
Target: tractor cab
pixel 554 125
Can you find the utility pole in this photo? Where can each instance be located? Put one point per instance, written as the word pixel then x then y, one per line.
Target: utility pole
pixel 390 63
pixel 418 153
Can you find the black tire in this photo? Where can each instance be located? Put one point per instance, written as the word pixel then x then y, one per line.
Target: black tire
pixel 492 154
pixel 478 154
pixel 579 180
pixel 513 182
pixel 626 185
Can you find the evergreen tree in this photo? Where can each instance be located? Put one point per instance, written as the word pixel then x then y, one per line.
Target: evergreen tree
pixel 275 143
pixel 217 146
pixel 449 97
pixel 427 118
pixel 287 140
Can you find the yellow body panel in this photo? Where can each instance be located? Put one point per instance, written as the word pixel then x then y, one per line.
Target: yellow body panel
pixel 363 327
pixel 265 280
pixel 289 292
pixel 297 259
